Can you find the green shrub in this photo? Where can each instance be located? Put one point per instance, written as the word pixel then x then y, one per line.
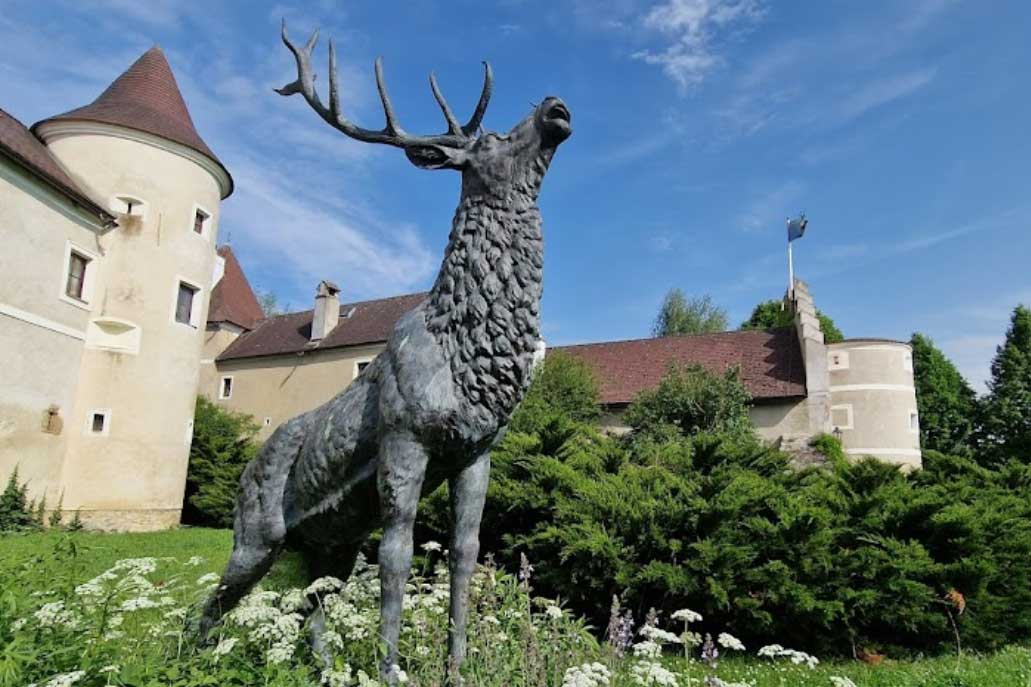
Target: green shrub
pixel 691 399
pixel 692 510
pixel 223 444
pixel 17 513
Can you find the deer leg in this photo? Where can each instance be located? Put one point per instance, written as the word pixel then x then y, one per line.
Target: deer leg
pixel 339 563
pixel 468 490
pixel 258 528
pixel 402 467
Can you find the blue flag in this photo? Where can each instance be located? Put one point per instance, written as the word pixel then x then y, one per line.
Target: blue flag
pixel 796 227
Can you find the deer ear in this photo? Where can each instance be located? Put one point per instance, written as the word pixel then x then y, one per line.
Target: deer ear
pixel 435 157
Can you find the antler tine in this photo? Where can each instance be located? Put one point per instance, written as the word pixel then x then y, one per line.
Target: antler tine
pixel 391 134
pixel 388 108
pixel 481 107
pixel 453 127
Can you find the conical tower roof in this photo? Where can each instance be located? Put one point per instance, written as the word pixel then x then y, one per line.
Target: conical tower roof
pixel 146 98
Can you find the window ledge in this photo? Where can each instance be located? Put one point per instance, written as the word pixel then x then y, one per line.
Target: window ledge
pixel 77 302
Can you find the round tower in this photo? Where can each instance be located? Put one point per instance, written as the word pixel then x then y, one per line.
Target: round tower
pixel 873 399
pixel 136 150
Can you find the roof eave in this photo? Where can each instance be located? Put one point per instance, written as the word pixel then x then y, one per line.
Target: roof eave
pixel 105 219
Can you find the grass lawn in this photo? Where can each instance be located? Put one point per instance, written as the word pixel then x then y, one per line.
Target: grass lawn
pixel 534 651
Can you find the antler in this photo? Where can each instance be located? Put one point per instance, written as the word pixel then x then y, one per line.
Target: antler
pixel 392 133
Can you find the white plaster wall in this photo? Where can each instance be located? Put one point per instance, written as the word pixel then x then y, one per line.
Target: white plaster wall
pixel 134 477
pixel 281 387
pixel 878 386
pixel 40 334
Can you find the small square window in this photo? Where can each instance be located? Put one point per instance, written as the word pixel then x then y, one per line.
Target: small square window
pixel 225 390
pixel 98 422
pixel 914 421
pixel 200 219
pixel 907 362
pixel 837 360
pixel 841 416
pixel 362 365
pixel 184 303
pixel 75 283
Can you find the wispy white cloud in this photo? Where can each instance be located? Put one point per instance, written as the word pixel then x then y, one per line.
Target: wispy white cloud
pixel 288 217
pixel 693 30
pixel 880 92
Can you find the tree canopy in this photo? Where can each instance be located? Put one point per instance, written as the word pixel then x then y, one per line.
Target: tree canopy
pixel 681 315
pixel 945 402
pixel 1005 416
pixel 772 313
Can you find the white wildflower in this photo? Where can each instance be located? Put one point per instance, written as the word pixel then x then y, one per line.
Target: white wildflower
pixel 553 612
pixel 194 561
pixel 647 649
pixel 54 614
pixel 224 647
pixel 687 615
pixel 491 620
pixel 337 678
pixel 323 585
pixel 138 603
pixel 770 650
pixel 402 676
pixel 19 624
pixel 109 669
pixel 659 636
pixel 422 651
pixel 207 578
pixel 838 681
pixel 647 673
pixel 431 546
pixel 587 675
pixel 65 679
pixel 293 600
pixel 280 652
pixel 176 614
pixel 729 641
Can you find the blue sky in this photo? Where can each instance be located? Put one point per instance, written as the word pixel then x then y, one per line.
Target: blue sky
pixel 699 125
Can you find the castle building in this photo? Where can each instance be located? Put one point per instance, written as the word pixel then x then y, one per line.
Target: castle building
pixel 860 389
pixel 117 310
pixel 109 220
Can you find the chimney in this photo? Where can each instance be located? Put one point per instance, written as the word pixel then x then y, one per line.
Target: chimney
pixel 327 310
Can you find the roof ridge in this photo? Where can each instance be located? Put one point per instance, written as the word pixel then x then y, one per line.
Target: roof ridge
pixel 673 337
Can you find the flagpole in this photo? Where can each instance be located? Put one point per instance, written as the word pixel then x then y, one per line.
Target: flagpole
pixel 791 272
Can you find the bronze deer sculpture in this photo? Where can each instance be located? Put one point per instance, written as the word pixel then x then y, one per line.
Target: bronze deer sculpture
pixel 432 404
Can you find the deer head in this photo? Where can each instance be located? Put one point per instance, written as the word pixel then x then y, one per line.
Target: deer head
pixel 489 163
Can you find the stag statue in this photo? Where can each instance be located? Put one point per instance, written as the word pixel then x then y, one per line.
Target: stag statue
pixel 433 403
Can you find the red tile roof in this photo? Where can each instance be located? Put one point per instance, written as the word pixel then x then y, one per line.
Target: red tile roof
pixel 146 98
pixel 360 323
pixel 232 299
pixel 770 361
pixel 18 144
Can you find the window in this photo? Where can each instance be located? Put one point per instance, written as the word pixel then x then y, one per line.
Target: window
pixel 184 303
pixel 74 285
pixel 98 422
pixel 201 221
pixel 907 361
pixel 837 360
pixel 225 388
pixel 80 266
pixel 914 421
pixel 268 421
pixel 841 416
pixel 360 366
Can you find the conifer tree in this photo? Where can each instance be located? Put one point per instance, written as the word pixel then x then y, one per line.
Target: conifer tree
pixel 945 402
pixel 1005 431
pixel 14 504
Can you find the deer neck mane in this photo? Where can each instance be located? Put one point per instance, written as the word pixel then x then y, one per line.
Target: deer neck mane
pixel 484 308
